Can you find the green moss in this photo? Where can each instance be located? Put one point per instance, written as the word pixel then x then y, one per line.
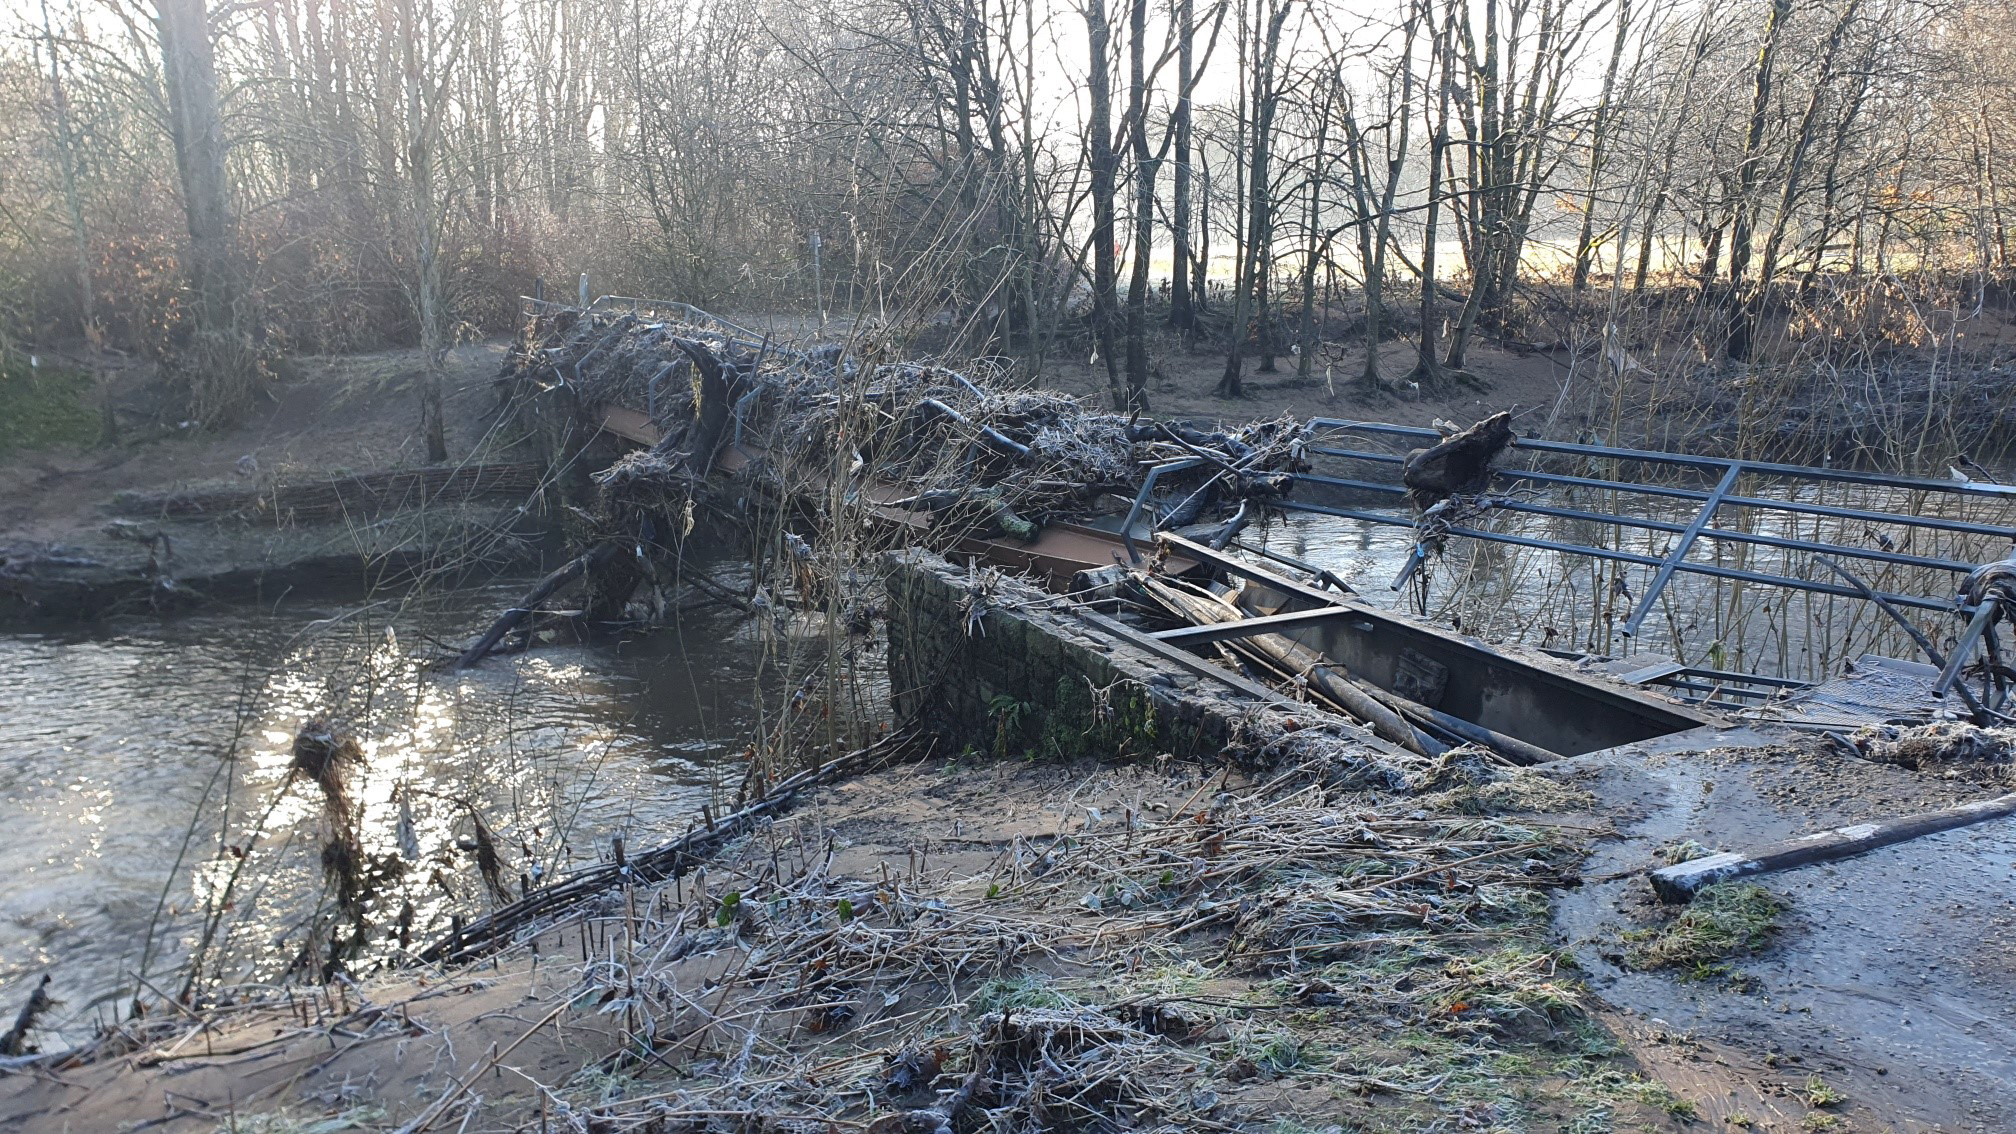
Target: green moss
pixel 43 406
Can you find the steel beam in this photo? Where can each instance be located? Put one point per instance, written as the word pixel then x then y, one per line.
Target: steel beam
pixel 1249 627
pixel 1679 553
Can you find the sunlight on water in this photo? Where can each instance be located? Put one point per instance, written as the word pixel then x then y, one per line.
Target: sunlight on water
pixel 150 763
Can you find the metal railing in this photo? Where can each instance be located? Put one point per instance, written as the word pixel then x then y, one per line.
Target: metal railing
pixel 1675 561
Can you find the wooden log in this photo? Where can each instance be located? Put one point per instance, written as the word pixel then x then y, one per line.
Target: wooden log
pixel 1680 882
pixel 572 570
pixel 1294 658
pixel 1467 732
pixel 1460 463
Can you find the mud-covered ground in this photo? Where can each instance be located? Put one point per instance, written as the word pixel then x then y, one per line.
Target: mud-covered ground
pixel 1890 978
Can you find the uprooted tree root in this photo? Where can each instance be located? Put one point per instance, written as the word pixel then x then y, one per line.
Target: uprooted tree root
pixel 823 458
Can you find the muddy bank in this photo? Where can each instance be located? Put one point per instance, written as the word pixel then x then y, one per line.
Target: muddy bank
pixel 1889 975
pixel 322 490
pixel 171 565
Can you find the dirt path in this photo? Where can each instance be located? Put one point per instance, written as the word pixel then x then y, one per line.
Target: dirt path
pixel 339 415
pixel 1530 385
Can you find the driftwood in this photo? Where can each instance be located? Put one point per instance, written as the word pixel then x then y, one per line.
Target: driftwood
pixel 1679 883
pixel 497 929
pixel 15 1042
pixel 1300 661
pixel 572 570
pixel 1459 465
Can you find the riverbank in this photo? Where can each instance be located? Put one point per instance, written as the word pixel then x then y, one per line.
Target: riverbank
pixel 1084 940
pixel 1128 887
pixel 320 491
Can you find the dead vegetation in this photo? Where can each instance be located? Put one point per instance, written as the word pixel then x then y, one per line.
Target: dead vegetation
pixel 1214 955
pixel 1950 749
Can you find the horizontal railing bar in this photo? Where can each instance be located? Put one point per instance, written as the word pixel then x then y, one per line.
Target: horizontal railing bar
pixel 1688 460
pixel 1941 523
pixel 1630 557
pixel 1722 535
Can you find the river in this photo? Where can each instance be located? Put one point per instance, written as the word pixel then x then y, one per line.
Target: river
pixel 142 762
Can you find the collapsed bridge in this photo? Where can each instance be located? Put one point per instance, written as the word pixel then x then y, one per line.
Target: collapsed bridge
pixel 1061 580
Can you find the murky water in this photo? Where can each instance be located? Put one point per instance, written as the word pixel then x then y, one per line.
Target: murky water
pixel 144 770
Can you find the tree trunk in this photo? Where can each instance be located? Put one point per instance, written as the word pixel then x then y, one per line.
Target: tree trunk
pixel 1428 373
pixel 1741 317
pixel 1144 208
pixel 1312 248
pixel 1182 312
pixel 221 370
pixel 1258 229
pixel 420 129
pixel 1599 140
pixel 1105 270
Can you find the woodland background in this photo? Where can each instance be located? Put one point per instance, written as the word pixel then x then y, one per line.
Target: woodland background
pixel 1721 187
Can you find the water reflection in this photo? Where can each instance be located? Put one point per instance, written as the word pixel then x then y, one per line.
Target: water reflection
pixel 142 770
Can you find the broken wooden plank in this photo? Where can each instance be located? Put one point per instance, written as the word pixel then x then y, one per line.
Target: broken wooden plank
pixel 1297 660
pixel 1680 882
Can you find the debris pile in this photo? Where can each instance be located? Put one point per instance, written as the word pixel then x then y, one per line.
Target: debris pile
pixel 1949 748
pixel 908 1003
pixel 914 436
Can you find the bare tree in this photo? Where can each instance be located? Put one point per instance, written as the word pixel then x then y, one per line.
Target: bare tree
pixel 221 369
pixel 1265 100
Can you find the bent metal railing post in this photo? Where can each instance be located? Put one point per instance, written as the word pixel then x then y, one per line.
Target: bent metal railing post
pixel 1681 548
pixel 1141 500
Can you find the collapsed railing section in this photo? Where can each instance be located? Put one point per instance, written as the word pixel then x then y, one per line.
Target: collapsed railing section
pixel 1739 504
pixel 1711 501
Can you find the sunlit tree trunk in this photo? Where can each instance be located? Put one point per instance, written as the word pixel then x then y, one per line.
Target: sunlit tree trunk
pixel 221 369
